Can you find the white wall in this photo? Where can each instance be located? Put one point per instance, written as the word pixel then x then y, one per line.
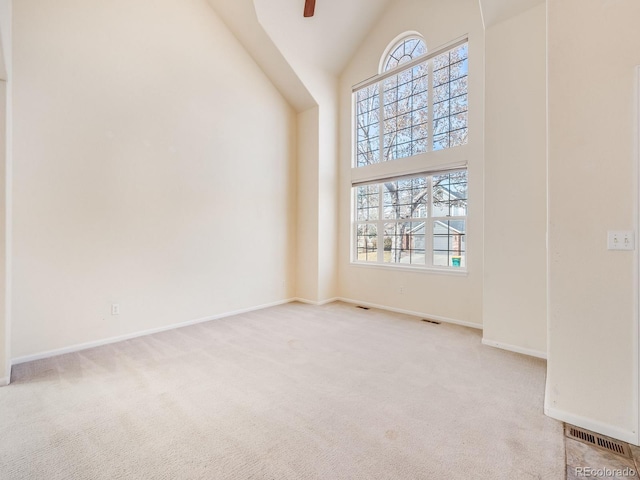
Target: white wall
pixel 318 164
pixel 328 196
pixel 5 368
pixel 154 168
pixel 457 298
pixel 515 289
pixel 592 368
pixel 5 189
pixel 307 244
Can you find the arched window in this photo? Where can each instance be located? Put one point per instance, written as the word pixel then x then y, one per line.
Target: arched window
pixel 407 49
pixel 415 105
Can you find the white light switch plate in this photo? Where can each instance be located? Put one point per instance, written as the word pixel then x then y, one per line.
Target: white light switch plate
pixel 621 240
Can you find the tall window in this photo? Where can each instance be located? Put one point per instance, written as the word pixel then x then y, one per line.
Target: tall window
pixel 418 104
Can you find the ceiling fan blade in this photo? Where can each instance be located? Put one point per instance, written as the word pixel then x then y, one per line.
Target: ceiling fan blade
pixel 309 8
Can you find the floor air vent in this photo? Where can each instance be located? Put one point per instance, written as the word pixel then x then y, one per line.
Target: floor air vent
pixel 597 440
pixel 430 321
pixel 363 308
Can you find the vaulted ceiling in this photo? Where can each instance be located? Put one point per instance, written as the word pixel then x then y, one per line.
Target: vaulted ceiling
pixel 280 39
pixel 330 37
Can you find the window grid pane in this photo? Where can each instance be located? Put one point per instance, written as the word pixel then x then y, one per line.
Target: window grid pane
pixel 450 98
pixel 406 113
pixel 404 242
pixel 399 124
pixel 407 198
pixel 367 242
pixel 450 194
pixel 449 243
pixel 368 126
pixel 367 202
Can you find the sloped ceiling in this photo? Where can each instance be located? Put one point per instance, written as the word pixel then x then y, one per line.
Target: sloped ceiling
pixel 329 38
pixel 240 17
pixel 280 39
pixel 276 34
pixel 495 11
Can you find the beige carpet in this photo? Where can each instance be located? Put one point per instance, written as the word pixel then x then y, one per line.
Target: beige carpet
pixel 291 392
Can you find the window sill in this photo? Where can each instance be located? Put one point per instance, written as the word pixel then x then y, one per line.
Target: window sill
pixel 458 272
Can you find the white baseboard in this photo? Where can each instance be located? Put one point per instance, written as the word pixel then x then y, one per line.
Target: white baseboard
pixel 4 382
pixel 129 336
pixel 312 302
pixel 515 348
pixel 411 312
pixel 593 425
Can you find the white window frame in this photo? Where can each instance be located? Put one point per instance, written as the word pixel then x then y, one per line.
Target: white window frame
pixel 429 222
pixel 395 44
pixel 430 163
pixel 379 81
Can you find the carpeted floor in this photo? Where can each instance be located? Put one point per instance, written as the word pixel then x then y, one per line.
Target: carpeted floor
pixel 290 392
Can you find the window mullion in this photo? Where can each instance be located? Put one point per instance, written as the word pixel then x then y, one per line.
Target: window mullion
pixel 380 225
pixel 381 122
pixel 430 105
pixel 354 223
pixel 428 234
pixel 354 120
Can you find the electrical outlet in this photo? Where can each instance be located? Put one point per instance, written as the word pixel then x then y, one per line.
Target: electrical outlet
pixel 115 309
pixel 621 240
pixel 401 290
